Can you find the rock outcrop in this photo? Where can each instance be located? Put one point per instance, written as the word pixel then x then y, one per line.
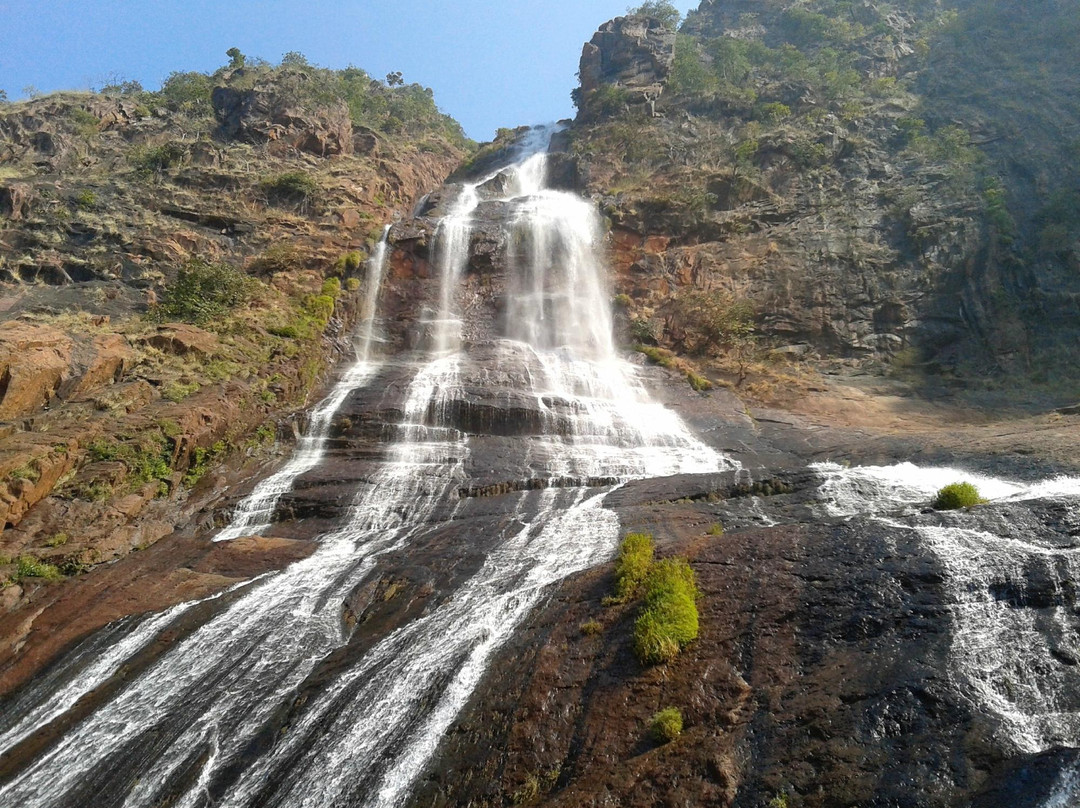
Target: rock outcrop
pixel 852 208
pixel 266 114
pixel 632 54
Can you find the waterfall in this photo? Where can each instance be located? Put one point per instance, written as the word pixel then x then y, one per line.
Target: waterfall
pixel 1014 651
pixel 255 513
pixel 193 727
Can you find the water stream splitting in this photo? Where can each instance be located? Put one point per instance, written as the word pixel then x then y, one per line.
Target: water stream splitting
pixel 183 729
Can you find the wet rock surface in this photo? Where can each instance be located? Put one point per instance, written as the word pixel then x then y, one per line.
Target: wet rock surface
pixel 824 671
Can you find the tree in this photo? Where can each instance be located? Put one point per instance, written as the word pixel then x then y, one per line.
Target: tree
pixel 716 321
pixel 236 58
pixel 3 97
pixel 659 10
pixel 394 79
pixel 296 59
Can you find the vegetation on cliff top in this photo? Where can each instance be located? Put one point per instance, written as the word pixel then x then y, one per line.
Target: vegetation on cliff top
pixel 389 106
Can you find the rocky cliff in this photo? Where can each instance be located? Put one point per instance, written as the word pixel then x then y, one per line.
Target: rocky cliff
pixel 178 270
pixel 866 178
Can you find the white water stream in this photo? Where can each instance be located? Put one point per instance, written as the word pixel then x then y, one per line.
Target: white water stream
pixel 365 734
pixel 255 514
pixel 1018 663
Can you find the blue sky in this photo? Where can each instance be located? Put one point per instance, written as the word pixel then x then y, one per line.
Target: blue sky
pixel 491 62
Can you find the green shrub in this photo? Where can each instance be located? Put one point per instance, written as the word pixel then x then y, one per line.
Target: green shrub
pixel 201 461
pixel 30 567
pixel 669 619
pixel 26 472
pixel 320 308
pixel 698 382
pixel 658 9
pixel 286 331
pixel 85 123
pixel 292 188
pixel 145 461
pixel 348 263
pixel 607 100
pixel 157 159
pixel 666 725
pixel 957 495
pixel 591 628
pixel 633 563
pixel 188 92
pixel 178 391
pixel 85 199
pixel 332 287
pixel 204 292
pixel 276 258
pixel 716 529
pixel 690 74
pixel 779 801
pixel 352 284
pixel 58 540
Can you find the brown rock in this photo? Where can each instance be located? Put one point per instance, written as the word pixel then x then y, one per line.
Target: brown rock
pixel 183 340
pixel 634 53
pixel 110 356
pixel 28 473
pixel 264 114
pixel 15 199
pixel 34 360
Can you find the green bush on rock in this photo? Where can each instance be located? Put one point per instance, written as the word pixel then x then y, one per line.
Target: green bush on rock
pixel 957 495
pixel 669 618
pixel 205 292
pixel 632 565
pixel 666 725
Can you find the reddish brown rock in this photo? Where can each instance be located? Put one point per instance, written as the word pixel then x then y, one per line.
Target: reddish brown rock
pixel 111 356
pixel 34 360
pixel 183 340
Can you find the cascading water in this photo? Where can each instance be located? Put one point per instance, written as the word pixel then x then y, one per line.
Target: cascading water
pixel 201 726
pixel 255 513
pixel 1014 651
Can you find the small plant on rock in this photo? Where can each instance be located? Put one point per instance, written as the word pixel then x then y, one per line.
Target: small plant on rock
pixel 957 495
pixel 666 725
pixel 669 619
pixel 290 188
pixel 204 292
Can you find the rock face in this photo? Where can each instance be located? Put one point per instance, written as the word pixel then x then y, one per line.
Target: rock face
pixel 33 363
pixel 850 232
pixel 631 53
pixel 264 115
pixel 825 671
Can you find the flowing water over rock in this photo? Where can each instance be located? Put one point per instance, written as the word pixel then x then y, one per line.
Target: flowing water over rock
pixel 278 698
pixel 255 514
pixel 1010 581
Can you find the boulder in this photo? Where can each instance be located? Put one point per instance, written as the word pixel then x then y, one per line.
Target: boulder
pixel 109 356
pixel 182 340
pixel 34 361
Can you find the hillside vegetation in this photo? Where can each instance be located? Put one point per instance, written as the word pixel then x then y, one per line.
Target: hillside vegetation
pixel 878 181
pixel 176 269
